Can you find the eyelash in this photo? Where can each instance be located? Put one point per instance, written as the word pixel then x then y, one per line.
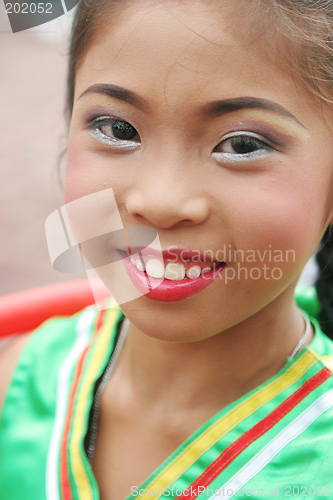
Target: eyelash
pixel 252 139
pixel 264 146
pixel 103 121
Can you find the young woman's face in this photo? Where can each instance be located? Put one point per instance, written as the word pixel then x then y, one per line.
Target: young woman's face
pixel 212 146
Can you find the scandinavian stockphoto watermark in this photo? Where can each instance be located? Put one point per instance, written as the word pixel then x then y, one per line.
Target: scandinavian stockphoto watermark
pixel 270 491
pixel 254 264
pixel 193 492
pixel 87 235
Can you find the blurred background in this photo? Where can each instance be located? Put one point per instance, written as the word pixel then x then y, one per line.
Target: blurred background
pixel 32 137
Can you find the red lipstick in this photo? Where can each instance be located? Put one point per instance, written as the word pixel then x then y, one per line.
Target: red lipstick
pixel 166 290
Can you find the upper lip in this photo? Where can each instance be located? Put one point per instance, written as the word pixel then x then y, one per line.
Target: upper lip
pixel 173 253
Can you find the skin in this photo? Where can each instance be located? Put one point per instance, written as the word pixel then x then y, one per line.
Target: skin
pixel 184 361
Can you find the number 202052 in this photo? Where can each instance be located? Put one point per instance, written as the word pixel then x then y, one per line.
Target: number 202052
pixel 29 8
pixel 304 491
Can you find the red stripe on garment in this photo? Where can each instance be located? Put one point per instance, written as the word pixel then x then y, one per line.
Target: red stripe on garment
pixel 65 487
pixel 99 321
pixel 233 450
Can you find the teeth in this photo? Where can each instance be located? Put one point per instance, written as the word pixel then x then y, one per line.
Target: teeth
pixel 174 271
pixel 139 265
pixel 155 268
pixel 193 272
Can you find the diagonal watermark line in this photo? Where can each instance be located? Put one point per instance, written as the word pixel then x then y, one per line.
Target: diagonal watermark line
pixel 64 6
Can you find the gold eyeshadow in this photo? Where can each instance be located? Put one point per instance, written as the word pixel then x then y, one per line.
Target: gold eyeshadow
pixel 283 124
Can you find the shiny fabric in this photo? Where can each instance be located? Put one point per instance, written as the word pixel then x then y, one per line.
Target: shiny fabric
pixel 275 441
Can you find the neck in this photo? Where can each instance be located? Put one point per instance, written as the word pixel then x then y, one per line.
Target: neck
pixel 214 371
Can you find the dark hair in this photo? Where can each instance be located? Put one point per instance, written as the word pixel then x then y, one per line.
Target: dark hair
pixel 305 30
pixel 90 18
pixel 304 27
pixel 324 284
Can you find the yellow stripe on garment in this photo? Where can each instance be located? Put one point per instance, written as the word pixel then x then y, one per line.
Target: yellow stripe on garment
pixel 226 423
pixel 80 475
pixel 327 361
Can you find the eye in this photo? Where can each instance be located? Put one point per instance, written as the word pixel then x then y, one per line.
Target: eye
pixel 115 131
pixel 243 144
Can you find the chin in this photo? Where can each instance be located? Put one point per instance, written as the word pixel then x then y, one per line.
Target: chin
pixel 178 323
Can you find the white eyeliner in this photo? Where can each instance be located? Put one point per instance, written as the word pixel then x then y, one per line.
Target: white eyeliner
pixel 117 143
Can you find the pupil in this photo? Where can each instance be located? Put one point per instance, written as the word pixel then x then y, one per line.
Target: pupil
pixel 123 130
pixel 244 144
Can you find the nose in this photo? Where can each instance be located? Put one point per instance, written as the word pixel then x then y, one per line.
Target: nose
pixel 165 198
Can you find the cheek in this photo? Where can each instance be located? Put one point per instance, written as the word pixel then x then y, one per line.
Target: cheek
pixel 282 213
pixel 89 171
pixel 78 181
pixel 86 172
pixel 282 222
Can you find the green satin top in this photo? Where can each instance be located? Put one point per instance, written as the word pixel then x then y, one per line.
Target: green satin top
pixel 276 440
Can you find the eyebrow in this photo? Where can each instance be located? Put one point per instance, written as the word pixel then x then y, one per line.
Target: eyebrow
pixel 220 108
pixel 118 93
pixel 212 110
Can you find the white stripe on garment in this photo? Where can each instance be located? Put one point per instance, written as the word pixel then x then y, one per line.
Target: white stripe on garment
pixel 266 455
pixel 83 331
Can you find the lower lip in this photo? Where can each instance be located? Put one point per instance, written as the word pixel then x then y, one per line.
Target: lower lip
pixel 169 290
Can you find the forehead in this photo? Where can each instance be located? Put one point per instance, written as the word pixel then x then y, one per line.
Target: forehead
pixel 183 54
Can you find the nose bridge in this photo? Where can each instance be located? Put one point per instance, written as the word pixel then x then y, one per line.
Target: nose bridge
pixel 174 171
pixel 167 190
pixel 168 172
